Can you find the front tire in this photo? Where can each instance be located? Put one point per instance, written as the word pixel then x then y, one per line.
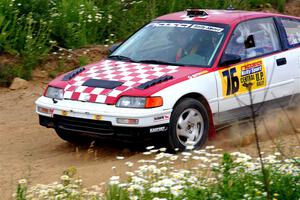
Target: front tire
pixel 189 125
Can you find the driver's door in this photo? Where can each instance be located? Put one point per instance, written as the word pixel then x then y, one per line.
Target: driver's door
pixel 255 41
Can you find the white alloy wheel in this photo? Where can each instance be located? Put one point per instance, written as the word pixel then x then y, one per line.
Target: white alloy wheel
pixel 190 127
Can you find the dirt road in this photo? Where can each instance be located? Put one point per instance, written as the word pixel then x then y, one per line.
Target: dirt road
pixel 30 151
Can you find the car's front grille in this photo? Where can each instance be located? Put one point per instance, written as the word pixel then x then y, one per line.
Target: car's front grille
pixel 83 125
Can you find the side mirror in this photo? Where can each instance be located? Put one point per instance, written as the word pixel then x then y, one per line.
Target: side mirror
pixel 113 47
pixel 229 59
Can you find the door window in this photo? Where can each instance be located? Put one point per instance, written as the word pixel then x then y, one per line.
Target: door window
pixel 292 29
pixel 254 38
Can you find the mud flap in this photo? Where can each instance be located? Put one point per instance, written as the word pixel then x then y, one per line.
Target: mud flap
pixel 212 133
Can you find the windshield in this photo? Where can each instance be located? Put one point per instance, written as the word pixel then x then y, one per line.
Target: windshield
pixel 175 43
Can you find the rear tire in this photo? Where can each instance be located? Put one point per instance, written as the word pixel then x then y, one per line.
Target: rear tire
pixel 189 125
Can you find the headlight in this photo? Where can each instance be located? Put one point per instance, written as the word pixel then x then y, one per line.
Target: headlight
pixel 131 102
pixel 139 102
pixel 54 93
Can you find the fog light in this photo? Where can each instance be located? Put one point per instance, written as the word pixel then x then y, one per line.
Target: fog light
pixel 44 110
pixel 127 121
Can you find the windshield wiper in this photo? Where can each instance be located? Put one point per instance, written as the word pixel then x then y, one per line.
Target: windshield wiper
pixel 125 58
pixel 159 62
pixel 120 57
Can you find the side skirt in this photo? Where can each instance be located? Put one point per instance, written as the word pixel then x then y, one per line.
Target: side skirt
pixel 242 113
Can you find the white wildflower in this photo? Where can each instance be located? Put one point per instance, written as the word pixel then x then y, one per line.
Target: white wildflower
pixel 154 150
pixel 22 181
pixel 129 164
pixel 210 147
pixel 65 178
pixel 163 168
pixel 114 180
pixel 159 156
pixel 214 165
pixel 120 157
pixel 196 158
pixel 138 180
pixel 134 197
pixel 186 153
pixel 173 157
pixel 129 173
pixel 163 149
pixel 176 190
pixel 189 147
pixel 154 189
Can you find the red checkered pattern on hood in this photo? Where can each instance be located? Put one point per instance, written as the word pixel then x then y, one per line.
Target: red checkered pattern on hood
pixel 132 74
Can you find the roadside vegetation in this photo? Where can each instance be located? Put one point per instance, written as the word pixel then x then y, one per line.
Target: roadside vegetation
pixel 199 174
pixel 30 30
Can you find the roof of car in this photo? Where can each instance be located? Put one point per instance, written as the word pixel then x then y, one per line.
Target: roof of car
pixel 218 16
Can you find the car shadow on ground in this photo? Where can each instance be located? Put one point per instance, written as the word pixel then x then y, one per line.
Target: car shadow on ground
pixel 109 147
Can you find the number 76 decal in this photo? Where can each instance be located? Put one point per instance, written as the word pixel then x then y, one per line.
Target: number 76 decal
pixel 232 81
pixel 233 78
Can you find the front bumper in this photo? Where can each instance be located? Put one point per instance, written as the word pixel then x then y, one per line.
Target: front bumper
pixel 87 117
pixel 101 129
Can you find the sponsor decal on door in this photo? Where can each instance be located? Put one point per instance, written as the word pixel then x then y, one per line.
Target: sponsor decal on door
pixel 237 79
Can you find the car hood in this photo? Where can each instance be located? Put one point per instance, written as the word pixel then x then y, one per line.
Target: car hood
pixel 106 81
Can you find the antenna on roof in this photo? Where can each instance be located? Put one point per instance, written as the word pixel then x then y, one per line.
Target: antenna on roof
pixel 194 12
pixel 230 7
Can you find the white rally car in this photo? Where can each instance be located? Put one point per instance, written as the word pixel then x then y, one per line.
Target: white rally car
pixel 178 76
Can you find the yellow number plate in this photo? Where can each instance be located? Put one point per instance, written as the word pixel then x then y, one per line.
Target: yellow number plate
pixel 64 113
pixel 98 117
pixel 235 79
